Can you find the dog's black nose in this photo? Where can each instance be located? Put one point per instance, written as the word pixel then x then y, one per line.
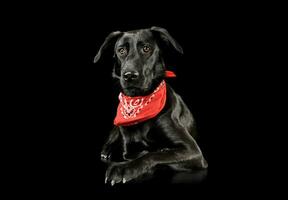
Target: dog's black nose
pixel 130 76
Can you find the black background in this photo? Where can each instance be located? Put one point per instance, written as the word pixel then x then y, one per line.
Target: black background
pixel 68 103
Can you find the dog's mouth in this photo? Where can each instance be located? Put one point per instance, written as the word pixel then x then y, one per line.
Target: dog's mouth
pixel 135 91
pixel 140 90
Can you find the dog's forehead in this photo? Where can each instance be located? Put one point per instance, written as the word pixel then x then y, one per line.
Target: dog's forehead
pixel 142 35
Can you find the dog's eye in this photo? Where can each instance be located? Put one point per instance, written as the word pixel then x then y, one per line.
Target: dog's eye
pixel 122 51
pixel 146 49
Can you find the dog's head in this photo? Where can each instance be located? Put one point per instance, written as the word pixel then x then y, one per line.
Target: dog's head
pixel 138 58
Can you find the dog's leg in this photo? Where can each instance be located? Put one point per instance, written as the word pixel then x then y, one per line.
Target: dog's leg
pixel 107 147
pixel 186 150
pixel 186 155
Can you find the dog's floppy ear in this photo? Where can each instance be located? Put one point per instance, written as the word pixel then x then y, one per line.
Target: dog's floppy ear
pixel 110 39
pixel 164 35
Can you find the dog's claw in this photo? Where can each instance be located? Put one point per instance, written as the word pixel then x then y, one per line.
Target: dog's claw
pixel 124 180
pixel 112 182
pixel 103 156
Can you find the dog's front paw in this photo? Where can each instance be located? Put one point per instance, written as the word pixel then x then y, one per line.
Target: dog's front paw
pixel 124 172
pixel 105 157
pixel 106 154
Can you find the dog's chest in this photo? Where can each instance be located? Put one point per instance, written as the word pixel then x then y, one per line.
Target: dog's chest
pixel 137 139
pixel 137 134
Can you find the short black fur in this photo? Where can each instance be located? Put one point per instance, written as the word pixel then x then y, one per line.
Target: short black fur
pixel 166 140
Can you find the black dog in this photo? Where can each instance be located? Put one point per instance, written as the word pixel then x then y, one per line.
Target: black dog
pixel 165 140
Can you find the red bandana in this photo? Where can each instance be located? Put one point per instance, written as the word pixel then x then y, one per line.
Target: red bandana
pixel 133 110
pixel 169 74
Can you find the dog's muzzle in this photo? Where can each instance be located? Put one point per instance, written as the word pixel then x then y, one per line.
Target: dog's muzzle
pixel 130 76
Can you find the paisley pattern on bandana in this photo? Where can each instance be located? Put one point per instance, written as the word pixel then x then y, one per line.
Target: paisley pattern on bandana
pixel 133 110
